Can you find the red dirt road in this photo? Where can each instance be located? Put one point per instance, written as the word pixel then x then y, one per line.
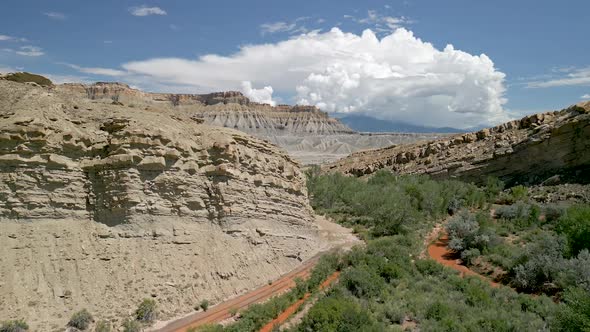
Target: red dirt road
pixel 442 254
pixel 221 312
pixel 293 307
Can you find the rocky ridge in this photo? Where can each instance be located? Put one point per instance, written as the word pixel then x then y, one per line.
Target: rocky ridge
pixel 102 205
pixel 527 151
pixel 225 109
pixel 305 132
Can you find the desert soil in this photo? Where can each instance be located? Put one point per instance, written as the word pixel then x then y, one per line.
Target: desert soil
pixel 445 256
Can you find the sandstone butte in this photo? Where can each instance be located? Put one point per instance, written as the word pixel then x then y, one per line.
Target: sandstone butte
pixel 540 148
pixel 102 205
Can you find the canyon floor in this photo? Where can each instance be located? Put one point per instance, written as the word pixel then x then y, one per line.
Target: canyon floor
pixel 321 149
pixel 335 237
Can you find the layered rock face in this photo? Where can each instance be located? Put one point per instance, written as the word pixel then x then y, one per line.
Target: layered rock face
pixel 525 151
pixel 103 205
pixel 226 109
pixel 305 132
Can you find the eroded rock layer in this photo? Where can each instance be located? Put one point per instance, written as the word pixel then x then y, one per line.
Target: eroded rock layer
pixel 226 109
pixel 306 133
pixel 530 150
pixel 102 205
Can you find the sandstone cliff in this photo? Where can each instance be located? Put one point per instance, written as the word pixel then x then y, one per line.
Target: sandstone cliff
pixel 226 109
pixel 306 133
pixel 102 205
pixel 529 151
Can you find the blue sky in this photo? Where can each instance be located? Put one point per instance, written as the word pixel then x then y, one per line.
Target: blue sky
pixel 540 46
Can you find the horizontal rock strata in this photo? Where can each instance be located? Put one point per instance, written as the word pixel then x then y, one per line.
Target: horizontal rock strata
pixel 102 205
pixel 226 109
pixel 527 151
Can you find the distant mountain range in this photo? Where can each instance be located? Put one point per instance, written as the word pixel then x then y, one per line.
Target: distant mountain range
pixel 365 123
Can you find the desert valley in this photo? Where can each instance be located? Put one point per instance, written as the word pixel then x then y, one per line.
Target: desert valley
pixel 314 180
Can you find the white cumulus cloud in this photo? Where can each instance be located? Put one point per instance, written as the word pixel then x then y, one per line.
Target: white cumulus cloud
pixel 397 77
pixel 146 11
pixel 586 96
pixel 263 95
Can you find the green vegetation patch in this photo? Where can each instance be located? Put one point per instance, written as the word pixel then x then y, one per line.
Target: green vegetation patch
pixel 28 77
pixel 17 325
pixel 385 286
pixel 81 320
pixel 146 311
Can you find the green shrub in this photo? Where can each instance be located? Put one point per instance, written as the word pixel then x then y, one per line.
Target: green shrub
pixel 338 313
pixel 519 193
pixel 513 212
pixel 204 305
pixel 393 313
pixel 28 77
pixel 553 213
pixel 437 310
pixel 103 326
pixel 540 263
pixel 454 206
pixel 300 288
pixel 17 325
pixel 428 267
pixel 207 328
pixel 575 225
pixel 81 320
pixel 131 326
pixel 464 233
pixel 574 313
pixel 494 187
pixel 576 272
pixel 325 266
pixel 469 256
pixel 362 282
pixel 147 311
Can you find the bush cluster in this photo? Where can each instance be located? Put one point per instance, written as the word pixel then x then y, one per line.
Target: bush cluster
pixel 383 285
pixel 389 204
pixel 28 77
pixel 102 326
pixel 465 233
pixel 81 320
pixel 18 325
pixel 147 311
pixel 575 226
pixel 131 326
